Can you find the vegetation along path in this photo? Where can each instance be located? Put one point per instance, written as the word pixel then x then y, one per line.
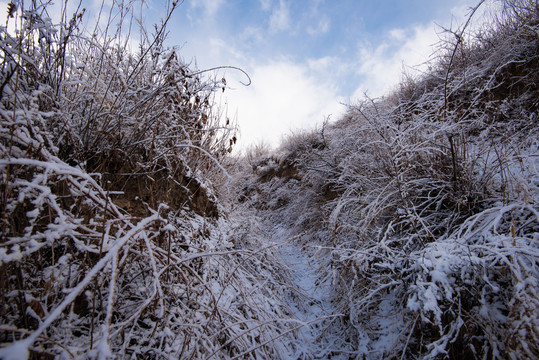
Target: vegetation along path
pixel 309 299
pixel 406 229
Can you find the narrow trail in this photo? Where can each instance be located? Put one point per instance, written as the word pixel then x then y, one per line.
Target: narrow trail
pixel 310 302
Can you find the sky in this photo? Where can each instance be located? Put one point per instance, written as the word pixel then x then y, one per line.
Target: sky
pixel 306 59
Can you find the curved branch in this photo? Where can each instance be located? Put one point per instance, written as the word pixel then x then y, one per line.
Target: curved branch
pixel 227 67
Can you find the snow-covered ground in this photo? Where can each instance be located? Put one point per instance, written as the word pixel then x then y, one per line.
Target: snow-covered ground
pixel 310 301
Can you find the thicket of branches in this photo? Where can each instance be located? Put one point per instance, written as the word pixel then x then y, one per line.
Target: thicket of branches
pixel 112 242
pixel 427 200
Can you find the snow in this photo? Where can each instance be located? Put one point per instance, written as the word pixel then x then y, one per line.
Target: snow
pixel 309 299
pixel 16 351
pixel 311 293
pixel 384 235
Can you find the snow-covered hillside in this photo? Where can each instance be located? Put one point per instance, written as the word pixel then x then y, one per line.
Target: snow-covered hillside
pixel 408 229
pixel 425 202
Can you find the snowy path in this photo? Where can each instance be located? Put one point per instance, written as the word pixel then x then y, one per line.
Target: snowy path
pixel 310 302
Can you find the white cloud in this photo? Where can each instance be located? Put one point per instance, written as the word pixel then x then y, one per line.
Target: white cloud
pixel 404 49
pixel 322 27
pixel 283 97
pixel 220 49
pixel 323 64
pixel 210 6
pixel 280 17
pixel 397 34
pixel 484 14
pixel 265 4
pixel 251 33
pixel 381 67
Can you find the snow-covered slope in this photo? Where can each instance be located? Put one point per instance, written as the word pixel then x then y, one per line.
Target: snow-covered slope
pixel 426 202
pixel 408 229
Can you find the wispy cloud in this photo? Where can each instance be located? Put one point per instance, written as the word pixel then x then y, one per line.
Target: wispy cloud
pixel 323 64
pixel 484 14
pixel 265 4
pixel 319 22
pixel 321 27
pixel 280 17
pixel 210 7
pixel 381 65
pixel 252 34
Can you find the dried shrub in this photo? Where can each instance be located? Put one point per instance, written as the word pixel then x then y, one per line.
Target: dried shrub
pixel 426 201
pixel 111 239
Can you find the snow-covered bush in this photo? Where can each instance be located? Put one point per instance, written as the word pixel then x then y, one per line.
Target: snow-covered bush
pixel 426 201
pixel 438 212
pixel 112 241
pixel 476 291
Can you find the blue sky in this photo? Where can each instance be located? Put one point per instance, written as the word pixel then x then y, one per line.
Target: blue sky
pixel 305 57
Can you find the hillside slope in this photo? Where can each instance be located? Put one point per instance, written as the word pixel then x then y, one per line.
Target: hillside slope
pixel 113 242
pixel 408 229
pixel 427 202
